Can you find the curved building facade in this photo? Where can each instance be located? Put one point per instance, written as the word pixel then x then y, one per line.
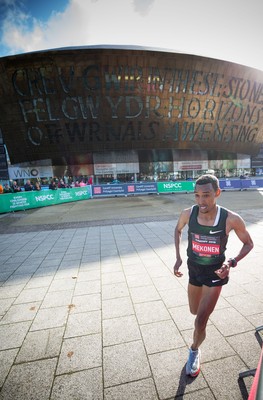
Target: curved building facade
pixel 95 106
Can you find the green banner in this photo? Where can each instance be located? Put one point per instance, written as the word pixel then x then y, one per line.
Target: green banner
pixel 177 186
pixel 26 200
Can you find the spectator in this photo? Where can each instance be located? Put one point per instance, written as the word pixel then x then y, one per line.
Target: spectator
pixel 61 184
pixel 15 187
pixel 1 189
pixel 37 186
pixel 82 183
pixel 77 184
pixel 52 185
pixel 7 189
pixel 90 181
pixel 28 186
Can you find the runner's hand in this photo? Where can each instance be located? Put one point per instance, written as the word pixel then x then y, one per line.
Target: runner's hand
pixel 223 272
pixel 177 265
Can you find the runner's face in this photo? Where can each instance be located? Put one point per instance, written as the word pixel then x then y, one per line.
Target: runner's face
pixel 205 197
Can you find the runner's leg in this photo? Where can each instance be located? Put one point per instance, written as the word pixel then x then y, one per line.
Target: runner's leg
pixel 194 297
pixel 205 306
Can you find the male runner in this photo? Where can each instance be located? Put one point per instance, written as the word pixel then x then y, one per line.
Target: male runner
pixel 209 227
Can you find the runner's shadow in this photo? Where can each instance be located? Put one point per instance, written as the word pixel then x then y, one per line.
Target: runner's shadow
pixel 184 381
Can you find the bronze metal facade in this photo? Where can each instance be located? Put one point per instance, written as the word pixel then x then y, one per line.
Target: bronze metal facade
pixel 68 103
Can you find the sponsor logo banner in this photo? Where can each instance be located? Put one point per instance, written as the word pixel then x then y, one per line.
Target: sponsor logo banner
pixel 124 189
pixel 26 200
pixel 251 183
pixel 177 186
pixel 232 184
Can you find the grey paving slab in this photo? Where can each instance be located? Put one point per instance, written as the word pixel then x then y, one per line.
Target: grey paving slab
pixel 79 385
pixel 83 324
pixel 41 344
pixel 13 335
pixel 84 303
pixel 216 346
pixel 151 311
pixel 247 347
pixel 114 290
pixel 118 307
pixel 124 363
pixel 144 293
pixel 91 275
pixel 143 390
pixel 57 299
pixel 135 280
pixel 174 298
pixel 37 378
pixel 112 277
pixel 161 336
pixel 89 287
pixel 182 317
pixel 80 353
pixel 38 282
pixel 242 303
pixel 7 292
pixel 47 318
pixel 223 318
pixel 58 285
pixel 5 304
pixel 120 330
pixel 20 312
pixel 7 358
pixel 168 369
pixel 224 385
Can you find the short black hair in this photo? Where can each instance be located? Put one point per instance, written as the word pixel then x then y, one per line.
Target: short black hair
pixel 208 178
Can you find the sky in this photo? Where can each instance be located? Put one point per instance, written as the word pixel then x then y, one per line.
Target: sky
pixel 230 30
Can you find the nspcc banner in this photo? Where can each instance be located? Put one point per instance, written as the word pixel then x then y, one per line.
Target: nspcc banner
pixel 26 200
pixel 177 186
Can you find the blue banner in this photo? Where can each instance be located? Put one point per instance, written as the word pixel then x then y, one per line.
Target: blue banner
pixel 251 183
pixel 230 184
pixel 125 189
pixel 109 190
pixel 141 188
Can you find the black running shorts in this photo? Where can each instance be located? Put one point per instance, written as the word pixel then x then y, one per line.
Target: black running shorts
pixel 200 275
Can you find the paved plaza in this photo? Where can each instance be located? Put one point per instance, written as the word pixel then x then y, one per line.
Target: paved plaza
pixel 90 308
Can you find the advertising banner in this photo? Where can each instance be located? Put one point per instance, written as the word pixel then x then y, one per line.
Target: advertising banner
pixel 230 184
pixel 142 188
pixel 109 190
pixel 26 200
pixel 241 184
pixel 124 189
pixel 251 183
pixel 177 186
pixel 16 172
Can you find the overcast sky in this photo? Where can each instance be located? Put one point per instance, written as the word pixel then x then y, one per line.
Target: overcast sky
pixel 230 30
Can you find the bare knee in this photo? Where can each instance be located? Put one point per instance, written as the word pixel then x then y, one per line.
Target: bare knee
pixel 193 310
pixel 201 322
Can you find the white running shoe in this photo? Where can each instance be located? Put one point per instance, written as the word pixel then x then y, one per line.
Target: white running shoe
pixel 193 363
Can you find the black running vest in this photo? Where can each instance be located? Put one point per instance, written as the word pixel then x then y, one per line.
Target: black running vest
pixel 207 244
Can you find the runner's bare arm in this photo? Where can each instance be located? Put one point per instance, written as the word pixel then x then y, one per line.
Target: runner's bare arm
pixel 182 221
pixel 237 223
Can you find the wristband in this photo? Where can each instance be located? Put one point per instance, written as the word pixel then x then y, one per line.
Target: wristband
pixel 232 262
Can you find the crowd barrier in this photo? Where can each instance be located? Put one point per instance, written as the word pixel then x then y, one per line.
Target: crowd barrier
pixel 127 189
pixel 27 200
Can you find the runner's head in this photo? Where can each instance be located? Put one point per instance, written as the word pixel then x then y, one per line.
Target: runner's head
pixel 206 192
pixel 206 179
